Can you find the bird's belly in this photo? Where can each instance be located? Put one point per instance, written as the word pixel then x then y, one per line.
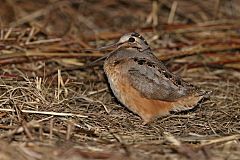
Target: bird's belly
pixel 135 101
pixel 118 90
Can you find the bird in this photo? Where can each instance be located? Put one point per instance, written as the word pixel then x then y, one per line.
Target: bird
pixel 143 84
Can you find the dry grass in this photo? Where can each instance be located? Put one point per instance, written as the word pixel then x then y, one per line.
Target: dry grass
pixel 52 107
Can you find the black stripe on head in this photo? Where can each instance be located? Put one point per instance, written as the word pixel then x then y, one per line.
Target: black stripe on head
pixel 135 34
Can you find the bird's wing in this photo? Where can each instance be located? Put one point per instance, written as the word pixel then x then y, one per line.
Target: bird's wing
pixel 154 81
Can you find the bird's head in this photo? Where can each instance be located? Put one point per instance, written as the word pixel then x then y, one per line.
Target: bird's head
pixel 133 40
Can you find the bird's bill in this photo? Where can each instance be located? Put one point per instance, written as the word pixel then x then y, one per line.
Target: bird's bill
pixel 104 56
pixel 114 46
pixel 102 48
pixel 99 59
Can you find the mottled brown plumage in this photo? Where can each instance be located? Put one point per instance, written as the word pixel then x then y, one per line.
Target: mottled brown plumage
pixel 143 84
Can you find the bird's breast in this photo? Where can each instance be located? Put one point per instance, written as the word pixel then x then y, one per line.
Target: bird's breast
pixel 115 78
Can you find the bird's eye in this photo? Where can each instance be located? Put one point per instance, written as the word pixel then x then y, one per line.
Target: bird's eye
pixel 131 39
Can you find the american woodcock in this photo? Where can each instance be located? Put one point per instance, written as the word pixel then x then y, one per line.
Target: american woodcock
pixel 142 83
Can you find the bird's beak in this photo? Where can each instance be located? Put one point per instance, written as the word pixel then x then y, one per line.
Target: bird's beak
pixel 98 60
pixel 114 46
pixel 107 47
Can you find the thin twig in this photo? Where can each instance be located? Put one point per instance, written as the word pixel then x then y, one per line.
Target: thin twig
pixel 172 12
pixel 45 113
pixel 220 140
